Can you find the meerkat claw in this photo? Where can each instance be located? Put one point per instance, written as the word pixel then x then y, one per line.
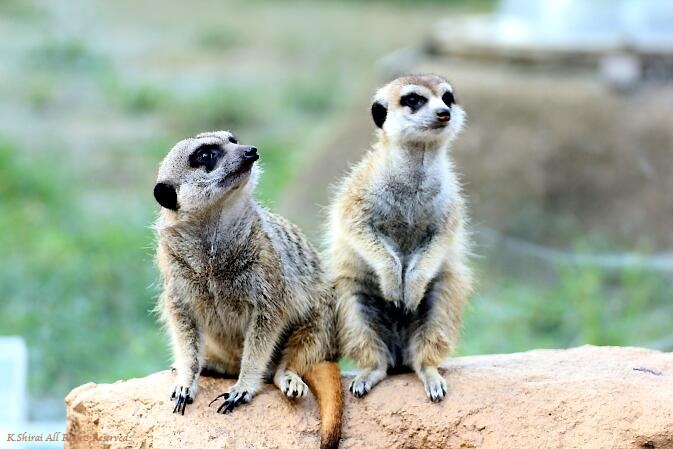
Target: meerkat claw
pixel 182 398
pixel 232 398
pixel 223 395
pixel 359 388
pixel 436 389
pixel 231 401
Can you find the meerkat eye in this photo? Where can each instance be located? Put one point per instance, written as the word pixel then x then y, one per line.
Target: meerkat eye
pixel 448 98
pixel 204 156
pixel 233 139
pixel 414 101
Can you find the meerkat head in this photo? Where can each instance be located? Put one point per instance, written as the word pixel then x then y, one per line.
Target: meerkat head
pixel 418 109
pixel 204 170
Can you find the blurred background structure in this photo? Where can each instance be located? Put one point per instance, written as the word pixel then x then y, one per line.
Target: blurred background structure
pixel 567 158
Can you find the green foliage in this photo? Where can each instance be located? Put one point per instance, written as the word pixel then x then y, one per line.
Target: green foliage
pixel 221 107
pixel 313 96
pixel 135 98
pixel 40 92
pixel 216 38
pixel 69 54
pixel 20 9
pixel 279 162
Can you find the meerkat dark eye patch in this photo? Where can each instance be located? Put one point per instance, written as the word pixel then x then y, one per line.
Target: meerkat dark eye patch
pixel 379 113
pixel 205 156
pixel 448 98
pixel 414 101
pixel 233 139
pixel 166 195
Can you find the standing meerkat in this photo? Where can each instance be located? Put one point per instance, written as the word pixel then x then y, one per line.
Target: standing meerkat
pixel 397 242
pixel 244 292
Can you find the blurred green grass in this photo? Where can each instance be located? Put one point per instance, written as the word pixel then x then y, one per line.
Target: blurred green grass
pixel 66 55
pixel 76 287
pixel 582 305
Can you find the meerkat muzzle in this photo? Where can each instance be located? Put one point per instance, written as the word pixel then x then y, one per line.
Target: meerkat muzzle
pixel 250 154
pixel 443 115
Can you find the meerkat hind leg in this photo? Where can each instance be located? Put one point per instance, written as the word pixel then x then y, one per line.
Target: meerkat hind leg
pixel 305 348
pixel 363 338
pixel 435 339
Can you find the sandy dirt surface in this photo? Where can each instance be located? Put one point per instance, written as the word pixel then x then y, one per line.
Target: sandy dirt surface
pixel 587 397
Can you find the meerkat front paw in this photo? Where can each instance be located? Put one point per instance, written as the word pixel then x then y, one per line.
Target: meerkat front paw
pixel 182 396
pixel 364 381
pixel 435 386
pixel 236 396
pixel 414 290
pixel 292 385
pixel 391 289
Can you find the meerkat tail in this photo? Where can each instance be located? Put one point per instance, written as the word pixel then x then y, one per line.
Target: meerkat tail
pixel 324 380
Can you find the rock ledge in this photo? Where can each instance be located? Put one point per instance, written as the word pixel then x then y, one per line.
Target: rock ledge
pixel 587 397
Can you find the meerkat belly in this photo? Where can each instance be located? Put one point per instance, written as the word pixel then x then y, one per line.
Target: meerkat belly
pixel 406 221
pixel 223 308
pixel 394 325
pixel 225 320
pixel 228 311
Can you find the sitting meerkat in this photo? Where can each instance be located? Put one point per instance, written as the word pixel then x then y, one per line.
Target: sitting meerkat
pixel 397 244
pixel 244 293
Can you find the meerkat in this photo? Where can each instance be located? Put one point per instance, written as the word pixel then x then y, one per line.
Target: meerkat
pixel 244 292
pixel 397 241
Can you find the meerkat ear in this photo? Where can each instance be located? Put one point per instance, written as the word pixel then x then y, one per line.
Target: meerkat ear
pixel 379 113
pixel 166 195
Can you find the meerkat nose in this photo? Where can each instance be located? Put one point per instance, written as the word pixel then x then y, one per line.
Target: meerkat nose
pixel 443 115
pixel 251 153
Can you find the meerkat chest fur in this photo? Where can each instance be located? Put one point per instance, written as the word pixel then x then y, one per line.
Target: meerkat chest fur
pixel 215 254
pixel 224 262
pixel 232 261
pixel 412 189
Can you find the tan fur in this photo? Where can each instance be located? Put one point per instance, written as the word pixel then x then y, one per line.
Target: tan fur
pixel 325 381
pixel 398 247
pixel 244 293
